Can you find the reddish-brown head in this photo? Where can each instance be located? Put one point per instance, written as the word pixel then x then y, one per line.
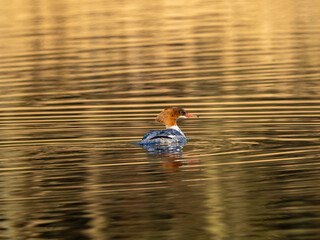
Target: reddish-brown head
pixel 170 115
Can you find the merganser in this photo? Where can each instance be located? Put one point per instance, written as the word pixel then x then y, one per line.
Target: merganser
pixel 172 134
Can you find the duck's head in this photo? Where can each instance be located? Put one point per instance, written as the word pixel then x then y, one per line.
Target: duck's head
pixel 170 115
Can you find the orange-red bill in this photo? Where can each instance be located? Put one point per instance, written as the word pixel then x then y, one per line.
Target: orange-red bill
pixel 189 115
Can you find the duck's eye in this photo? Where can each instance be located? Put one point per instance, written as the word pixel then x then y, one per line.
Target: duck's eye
pixel 182 112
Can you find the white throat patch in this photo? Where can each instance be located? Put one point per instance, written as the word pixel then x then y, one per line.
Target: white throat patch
pixel 175 127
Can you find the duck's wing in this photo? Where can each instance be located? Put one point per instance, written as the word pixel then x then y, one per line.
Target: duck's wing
pixel 168 133
pixel 173 134
pixel 151 134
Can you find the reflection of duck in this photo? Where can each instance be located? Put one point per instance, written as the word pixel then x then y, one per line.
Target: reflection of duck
pixel 171 135
pixel 171 156
pixel 174 148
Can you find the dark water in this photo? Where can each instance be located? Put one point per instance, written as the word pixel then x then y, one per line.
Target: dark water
pixel 81 80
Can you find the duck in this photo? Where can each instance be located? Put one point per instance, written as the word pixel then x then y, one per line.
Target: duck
pixel 172 134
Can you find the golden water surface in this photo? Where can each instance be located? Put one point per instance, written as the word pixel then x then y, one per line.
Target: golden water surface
pixel 82 81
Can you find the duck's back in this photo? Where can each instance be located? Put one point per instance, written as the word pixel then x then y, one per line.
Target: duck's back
pixel 166 136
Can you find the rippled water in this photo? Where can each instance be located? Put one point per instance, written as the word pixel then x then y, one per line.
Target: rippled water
pixel 81 81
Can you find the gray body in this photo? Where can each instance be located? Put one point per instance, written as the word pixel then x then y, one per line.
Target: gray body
pixel 163 137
